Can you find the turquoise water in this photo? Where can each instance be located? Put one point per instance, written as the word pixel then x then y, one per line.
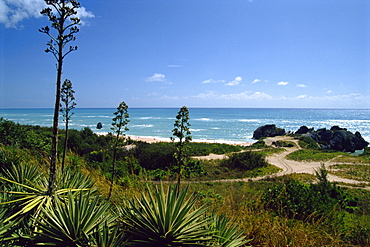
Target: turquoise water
pixel 207 124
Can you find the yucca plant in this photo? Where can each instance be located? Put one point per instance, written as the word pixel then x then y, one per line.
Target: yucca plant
pixel 166 218
pixel 227 234
pixel 109 237
pixel 83 219
pixel 26 187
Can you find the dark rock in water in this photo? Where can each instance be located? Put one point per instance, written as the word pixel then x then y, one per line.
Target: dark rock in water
pixel 99 126
pixel 269 130
pixel 303 130
pixel 337 138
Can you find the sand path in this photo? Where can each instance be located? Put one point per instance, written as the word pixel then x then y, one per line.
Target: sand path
pixel 288 166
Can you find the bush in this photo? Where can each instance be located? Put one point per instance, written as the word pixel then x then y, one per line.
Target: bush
pixel 154 156
pixel 297 200
pixel 245 161
pixel 308 142
pixel 202 149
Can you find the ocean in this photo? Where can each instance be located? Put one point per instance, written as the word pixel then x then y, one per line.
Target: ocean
pixel 228 125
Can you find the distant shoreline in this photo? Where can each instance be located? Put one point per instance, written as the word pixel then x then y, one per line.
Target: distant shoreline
pixel 159 139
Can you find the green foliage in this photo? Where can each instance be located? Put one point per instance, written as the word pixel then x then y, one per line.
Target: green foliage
pixel 283 144
pixel 182 132
pixel 308 142
pixel 357 172
pixel 82 220
pixel 119 127
pixel 155 156
pixel 202 149
pixel 313 155
pixel 227 234
pixel 245 161
pixel 366 151
pixel 67 97
pixel 258 145
pixel 295 199
pixel 169 218
pixel 24 136
pixel 165 219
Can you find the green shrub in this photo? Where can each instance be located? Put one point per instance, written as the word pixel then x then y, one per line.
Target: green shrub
pixel 202 149
pixel 308 142
pixel 295 199
pixel 245 161
pixel 154 156
pixel 283 144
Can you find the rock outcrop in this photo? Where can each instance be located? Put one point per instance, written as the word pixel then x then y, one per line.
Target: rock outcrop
pixel 269 130
pixel 336 138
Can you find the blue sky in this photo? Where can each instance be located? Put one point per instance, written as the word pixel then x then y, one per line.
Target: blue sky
pixel 198 53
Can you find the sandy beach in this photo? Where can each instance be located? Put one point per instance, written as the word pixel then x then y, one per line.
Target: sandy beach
pixel 155 139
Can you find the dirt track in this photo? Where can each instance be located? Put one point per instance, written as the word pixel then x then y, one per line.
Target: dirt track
pixel 289 166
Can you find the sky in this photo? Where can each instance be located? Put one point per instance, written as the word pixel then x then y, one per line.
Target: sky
pixel 196 53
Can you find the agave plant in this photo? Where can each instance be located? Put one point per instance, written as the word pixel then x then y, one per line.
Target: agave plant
pixel 226 233
pixel 166 219
pixel 82 220
pixel 27 188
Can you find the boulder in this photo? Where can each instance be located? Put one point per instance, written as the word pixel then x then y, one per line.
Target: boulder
pixel 303 130
pixel 269 130
pixel 99 126
pixel 337 138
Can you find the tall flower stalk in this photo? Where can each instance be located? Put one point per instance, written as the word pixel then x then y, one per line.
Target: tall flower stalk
pixel 62 15
pixel 119 127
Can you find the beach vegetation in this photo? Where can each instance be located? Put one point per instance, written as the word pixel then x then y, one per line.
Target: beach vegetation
pixel 245 161
pixel 293 210
pixel 352 171
pixel 314 155
pixel 62 15
pixel 119 127
pixel 66 106
pixel 181 131
pixel 172 218
pixel 307 143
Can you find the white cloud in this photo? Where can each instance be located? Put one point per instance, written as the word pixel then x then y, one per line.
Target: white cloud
pixel 329 91
pixel 156 77
pixel 303 96
pixel 245 96
pixel 174 66
pixel 235 82
pixel 283 83
pixel 212 81
pixel 256 80
pixel 12 12
pixel 301 85
pixel 166 97
pixel 237 96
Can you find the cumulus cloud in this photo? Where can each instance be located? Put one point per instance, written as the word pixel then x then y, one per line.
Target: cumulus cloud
pixel 283 83
pixel 246 96
pixel 235 82
pixel 329 91
pixel 303 96
pixel 212 81
pixel 301 85
pixel 12 12
pixel 256 80
pixel 236 96
pixel 156 77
